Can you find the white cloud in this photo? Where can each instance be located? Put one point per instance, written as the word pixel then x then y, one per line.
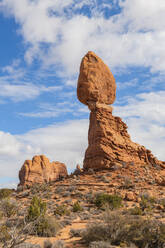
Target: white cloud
pixel 133 37
pixel 148 106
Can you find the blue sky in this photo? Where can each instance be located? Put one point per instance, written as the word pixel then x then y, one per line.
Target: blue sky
pixel 42 43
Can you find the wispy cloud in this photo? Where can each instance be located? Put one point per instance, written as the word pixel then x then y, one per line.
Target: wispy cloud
pixel 47 110
pixel 24 91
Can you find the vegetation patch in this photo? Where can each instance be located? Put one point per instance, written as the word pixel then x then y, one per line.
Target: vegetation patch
pixel 61 210
pixel 36 209
pixel 77 207
pixel 118 229
pixel 4 193
pixel 113 201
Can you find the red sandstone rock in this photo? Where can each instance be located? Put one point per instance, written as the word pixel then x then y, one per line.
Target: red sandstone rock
pixel 110 143
pixel 96 82
pixel 39 170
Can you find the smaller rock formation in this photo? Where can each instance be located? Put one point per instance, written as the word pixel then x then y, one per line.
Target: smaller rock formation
pixel 40 170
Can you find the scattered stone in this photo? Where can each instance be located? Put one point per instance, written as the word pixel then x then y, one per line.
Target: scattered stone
pixel 130 196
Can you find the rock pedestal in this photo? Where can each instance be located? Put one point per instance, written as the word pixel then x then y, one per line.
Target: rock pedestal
pixel 110 143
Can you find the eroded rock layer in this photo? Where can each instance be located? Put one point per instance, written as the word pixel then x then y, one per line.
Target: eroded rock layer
pixel 110 143
pixel 39 170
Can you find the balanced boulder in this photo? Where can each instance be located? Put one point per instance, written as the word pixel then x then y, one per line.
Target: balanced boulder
pixel 96 82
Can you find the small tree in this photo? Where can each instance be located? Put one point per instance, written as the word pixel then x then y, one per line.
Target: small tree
pixel 36 209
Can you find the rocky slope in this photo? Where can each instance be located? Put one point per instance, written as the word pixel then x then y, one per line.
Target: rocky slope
pixel 130 182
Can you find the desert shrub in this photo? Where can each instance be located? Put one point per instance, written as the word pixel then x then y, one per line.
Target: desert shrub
pixel 27 245
pixel 120 229
pixel 4 233
pixel 99 244
pixel 38 188
pixel 76 232
pixel 46 226
pixel 136 211
pixel 61 210
pixel 127 183
pixel 113 201
pixel 36 209
pixel 56 244
pixel 147 203
pixel 4 193
pixel 59 244
pixel 77 207
pixel 8 207
pixel 47 244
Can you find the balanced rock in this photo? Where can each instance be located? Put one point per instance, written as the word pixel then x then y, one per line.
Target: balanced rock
pixel 96 82
pixel 110 145
pixel 39 170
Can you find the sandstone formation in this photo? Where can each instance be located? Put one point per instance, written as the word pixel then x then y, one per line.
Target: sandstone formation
pixel 40 170
pixel 96 82
pixel 109 142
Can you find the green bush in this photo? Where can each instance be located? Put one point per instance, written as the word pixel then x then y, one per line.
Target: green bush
pixel 9 208
pixel 77 207
pixel 61 210
pixel 113 201
pixel 4 193
pixel 147 203
pixel 36 209
pixel 46 226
